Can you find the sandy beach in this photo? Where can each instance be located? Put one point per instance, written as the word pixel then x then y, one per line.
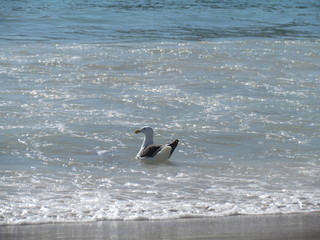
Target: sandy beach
pixel 289 227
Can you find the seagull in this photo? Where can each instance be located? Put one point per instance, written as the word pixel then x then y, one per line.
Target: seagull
pixel 154 153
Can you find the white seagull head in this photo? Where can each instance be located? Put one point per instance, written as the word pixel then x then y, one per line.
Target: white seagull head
pixel 148 131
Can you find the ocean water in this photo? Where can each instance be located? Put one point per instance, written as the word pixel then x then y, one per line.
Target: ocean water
pixel 237 82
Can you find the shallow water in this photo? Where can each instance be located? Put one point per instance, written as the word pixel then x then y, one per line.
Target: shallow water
pixel 245 108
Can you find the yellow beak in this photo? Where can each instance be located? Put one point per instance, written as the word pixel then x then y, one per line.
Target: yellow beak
pixel 138 131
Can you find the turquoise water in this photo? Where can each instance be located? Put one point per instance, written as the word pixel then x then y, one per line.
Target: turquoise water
pixel 235 82
pixel 131 21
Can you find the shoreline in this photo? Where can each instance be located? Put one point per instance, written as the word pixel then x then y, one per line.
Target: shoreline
pixel 300 226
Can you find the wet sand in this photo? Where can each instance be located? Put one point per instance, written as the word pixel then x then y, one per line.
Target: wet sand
pixel 273 227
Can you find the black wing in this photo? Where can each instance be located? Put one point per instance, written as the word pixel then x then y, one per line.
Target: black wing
pixel 151 150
